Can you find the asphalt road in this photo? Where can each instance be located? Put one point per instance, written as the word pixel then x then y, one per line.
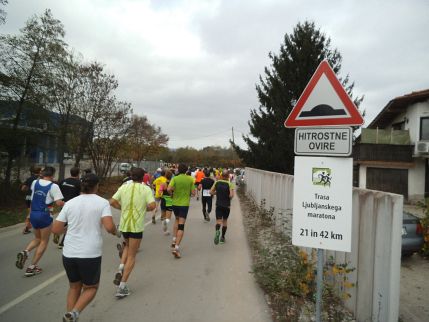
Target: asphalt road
pixel 209 282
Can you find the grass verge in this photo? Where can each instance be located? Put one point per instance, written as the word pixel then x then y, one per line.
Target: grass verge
pixel 287 274
pixel 10 214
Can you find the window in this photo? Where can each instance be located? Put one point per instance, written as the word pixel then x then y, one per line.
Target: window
pixel 424 128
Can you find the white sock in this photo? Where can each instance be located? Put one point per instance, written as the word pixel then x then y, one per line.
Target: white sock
pixel 167 220
pixel 75 313
pixel 122 284
pixel 121 267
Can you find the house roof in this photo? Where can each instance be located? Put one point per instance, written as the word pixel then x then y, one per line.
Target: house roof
pixel 396 106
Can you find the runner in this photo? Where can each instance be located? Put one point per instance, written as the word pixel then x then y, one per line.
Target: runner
pixel 134 200
pixel 70 188
pixel 206 197
pixel 127 177
pixel 26 187
pixel 84 216
pixel 166 203
pixel 146 178
pixel 44 193
pixel 199 175
pixel 157 174
pixel 182 187
pixel 156 184
pixel 224 191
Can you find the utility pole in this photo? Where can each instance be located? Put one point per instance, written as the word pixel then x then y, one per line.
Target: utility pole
pixel 232 147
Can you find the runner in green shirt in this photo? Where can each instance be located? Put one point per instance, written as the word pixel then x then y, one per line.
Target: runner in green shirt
pixel 182 187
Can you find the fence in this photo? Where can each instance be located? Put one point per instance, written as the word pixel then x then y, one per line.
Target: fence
pixel 376 241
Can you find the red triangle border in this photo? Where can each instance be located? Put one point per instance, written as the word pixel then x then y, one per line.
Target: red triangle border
pixel 355 117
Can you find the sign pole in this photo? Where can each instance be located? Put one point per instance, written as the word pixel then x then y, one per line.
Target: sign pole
pixel 319 284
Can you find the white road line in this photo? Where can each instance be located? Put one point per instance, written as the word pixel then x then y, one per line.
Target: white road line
pixel 26 295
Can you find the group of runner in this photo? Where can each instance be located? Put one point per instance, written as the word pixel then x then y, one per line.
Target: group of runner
pixel 84 214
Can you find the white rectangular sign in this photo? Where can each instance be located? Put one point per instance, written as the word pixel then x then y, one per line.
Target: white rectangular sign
pixel 322 203
pixel 335 141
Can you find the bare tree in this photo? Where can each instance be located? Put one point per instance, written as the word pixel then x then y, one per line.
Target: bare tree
pixel 143 139
pixel 110 132
pixel 3 12
pixel 63 97
pixel 23 60
pixel 95 98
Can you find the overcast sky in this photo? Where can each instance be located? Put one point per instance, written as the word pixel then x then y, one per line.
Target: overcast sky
pixel 191 66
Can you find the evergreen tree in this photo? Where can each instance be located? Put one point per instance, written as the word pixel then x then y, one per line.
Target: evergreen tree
pixel 270 144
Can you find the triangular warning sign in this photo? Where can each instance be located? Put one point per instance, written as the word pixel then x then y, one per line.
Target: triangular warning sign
pixel 324 102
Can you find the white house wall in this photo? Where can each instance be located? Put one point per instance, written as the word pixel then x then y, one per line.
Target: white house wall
pixel 412 119
pixel 362 176
pixel 416 175
pixel 416 180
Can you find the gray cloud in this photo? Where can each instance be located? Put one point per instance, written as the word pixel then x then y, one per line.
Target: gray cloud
pixel 191 66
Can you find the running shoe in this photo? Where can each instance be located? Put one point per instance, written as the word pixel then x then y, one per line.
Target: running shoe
pixel 21 257
pixel 56 239
pixel 33 271
pixel 217 235
pixel 122 292
pixel 26 231
pixel 120 250
pixel 176 252
pixel 118 278
pixel 206 218
pixel 173 245
pixel 153 220
pixel 70 317
pixel 222 240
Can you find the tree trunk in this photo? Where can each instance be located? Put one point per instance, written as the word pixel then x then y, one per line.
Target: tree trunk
pixel 18 116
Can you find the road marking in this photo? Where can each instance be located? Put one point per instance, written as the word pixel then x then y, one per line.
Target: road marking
pixel 49 281
pixel 26 295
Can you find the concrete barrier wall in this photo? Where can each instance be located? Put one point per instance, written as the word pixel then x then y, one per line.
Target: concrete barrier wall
pixel 376 241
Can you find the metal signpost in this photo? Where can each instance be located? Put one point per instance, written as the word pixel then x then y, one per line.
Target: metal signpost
pixel 322 202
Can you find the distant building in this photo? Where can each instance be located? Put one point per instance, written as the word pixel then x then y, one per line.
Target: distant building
pixel 392 153
pixel 37 138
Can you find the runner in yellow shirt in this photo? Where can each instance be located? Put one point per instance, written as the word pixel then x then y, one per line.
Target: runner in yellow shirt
pixel 133 200
pixel 158 194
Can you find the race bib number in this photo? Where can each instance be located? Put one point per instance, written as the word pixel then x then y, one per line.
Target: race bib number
pixel 206 193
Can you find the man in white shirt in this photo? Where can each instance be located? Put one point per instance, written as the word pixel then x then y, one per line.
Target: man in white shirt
pixel 45 193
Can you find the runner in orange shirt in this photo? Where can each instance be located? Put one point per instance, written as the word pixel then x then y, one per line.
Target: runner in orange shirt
pixel 199 175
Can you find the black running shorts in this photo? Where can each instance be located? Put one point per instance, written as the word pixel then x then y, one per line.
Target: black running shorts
pixel 164 207
pixel 85 270
pixel 222 212
pixel 181 211
pixel 127 235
